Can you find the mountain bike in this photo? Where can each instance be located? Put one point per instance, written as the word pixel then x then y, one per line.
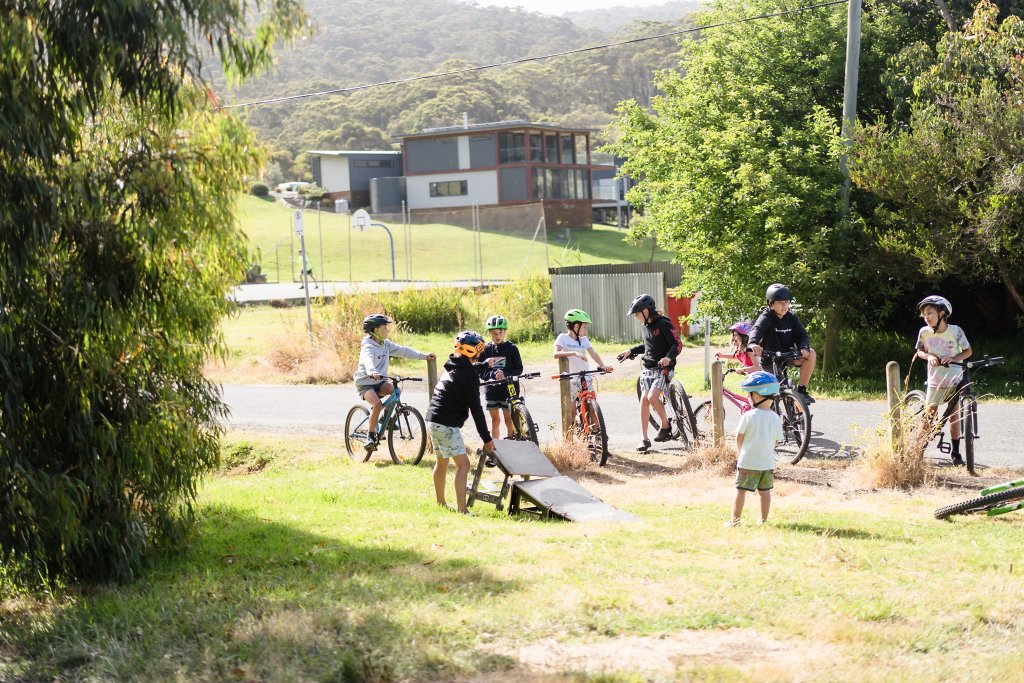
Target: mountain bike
pixel 682 418
pixel 965 399
pixel 588 421
pixel 523 426
pixel 400 425
pixel 995 500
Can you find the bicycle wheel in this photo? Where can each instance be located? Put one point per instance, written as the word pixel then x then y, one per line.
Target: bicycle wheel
pixel 796 426
pixel 595 435
pixel 522 424
pixel 356 435
pixel 704 419
pixel 685 425
pixel 407 437
pixel 913 403
pixel 982 504
pixel 968 429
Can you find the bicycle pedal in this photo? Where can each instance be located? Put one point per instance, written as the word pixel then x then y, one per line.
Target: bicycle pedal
pixel 945 447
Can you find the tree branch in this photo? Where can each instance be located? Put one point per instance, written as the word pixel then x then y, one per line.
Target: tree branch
pixel 946 14
pixel 1004 275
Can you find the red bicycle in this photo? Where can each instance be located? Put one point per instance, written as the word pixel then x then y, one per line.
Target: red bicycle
pixel 588 421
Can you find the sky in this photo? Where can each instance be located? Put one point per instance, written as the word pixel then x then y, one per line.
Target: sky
pixel 562 6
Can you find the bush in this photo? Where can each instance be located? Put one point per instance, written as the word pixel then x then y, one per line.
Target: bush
pixel 527 305
pixel 259 190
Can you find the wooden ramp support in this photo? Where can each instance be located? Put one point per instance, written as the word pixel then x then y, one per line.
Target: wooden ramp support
pixel 541 491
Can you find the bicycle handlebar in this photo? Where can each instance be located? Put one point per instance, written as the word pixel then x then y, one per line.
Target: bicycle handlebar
pixel 509 380
pixel 581 373
pixel 397 379
pixel 976 364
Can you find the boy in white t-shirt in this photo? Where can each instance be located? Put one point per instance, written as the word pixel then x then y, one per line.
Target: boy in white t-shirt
pixel 574 345
pixel 756 435
pixel 938 343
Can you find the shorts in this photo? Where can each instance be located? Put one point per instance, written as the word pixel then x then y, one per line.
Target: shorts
pixel 936 396
pixel 363 388
pixel 755 480
pixel 653 377
pixel 495 405
pixel 447 441
pixel 575 383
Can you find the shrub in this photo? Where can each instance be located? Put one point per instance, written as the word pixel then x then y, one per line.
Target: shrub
pixel 568 455
pixel 259 190
pixel 527 305
pixel 897 463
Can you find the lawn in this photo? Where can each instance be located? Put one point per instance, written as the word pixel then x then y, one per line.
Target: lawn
pixel 438 252
pixel 309 567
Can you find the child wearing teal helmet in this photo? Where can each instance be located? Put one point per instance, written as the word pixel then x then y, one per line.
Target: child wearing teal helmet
pixel 756 435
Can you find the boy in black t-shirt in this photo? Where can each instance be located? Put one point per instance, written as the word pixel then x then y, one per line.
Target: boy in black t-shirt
pixel 500 359
pixel 778 329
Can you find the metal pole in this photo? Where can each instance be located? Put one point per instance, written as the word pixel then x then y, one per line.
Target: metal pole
pixel 707 352
pixel 305 287
pixel 849 98
pixel 350 248
pixel 392 241
pixel 320 230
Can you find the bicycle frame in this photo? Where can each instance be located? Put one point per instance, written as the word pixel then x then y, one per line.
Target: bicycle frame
pixel 964 390
pixel 388 406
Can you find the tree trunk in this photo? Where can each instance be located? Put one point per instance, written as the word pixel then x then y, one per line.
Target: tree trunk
pixel 946 14
pixel 830 354
pixel 1004 275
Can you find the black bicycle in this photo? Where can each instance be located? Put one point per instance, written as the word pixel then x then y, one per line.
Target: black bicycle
pixel 523 426
pixel 964 399
pixel 682 418
pixel 790 406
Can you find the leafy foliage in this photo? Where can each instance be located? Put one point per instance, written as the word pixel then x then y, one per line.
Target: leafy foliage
pixel 118 248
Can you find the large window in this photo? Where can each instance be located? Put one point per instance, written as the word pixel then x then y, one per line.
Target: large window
pixel 561 183
pixel 373 163
pixel 568 150
pixel 511 148
pixel 551 148
pixel 536 147
pixel 449 188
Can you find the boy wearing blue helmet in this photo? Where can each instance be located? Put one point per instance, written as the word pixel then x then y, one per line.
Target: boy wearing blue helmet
pixel 756 435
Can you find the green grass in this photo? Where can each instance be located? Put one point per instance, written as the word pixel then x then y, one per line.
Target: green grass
pixel 314 568
pixel 439 252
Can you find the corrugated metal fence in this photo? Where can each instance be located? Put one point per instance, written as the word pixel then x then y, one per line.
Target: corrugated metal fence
pixel 606 298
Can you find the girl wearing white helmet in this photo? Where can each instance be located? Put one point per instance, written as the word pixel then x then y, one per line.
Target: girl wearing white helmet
pixel 938 343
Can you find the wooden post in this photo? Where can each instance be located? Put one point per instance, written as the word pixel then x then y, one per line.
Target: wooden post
pixel 431 377
pixel 568 404
pixel 892 390
pixel 717 406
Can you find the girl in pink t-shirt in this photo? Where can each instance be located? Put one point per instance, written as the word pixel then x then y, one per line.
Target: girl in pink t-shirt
pixel 740 337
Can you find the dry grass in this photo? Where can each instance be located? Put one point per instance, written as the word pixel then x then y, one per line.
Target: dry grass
pixel 897 463
pixel 331 357
pixel 570 455
pixel 717 460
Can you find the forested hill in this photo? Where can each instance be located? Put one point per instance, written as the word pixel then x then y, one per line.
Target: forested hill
pixel 612 19
pixel 366 41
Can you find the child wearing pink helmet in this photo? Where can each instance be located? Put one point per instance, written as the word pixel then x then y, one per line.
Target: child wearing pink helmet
pixel 749 362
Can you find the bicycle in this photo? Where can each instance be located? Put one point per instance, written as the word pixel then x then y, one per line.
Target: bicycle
pixel 589 421
pixel 400 425
pixel 966 400
pixel 788 403
pixel 523 426
pixel 995 500
pixel 682 418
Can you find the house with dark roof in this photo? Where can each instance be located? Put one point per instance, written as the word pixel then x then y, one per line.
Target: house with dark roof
pixel 347 174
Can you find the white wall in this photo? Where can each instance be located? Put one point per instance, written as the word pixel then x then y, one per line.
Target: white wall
pixel 463 151
pixel 334 173
pixel 482 185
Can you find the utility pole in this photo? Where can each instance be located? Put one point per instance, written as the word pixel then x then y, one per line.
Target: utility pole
pixel 850 98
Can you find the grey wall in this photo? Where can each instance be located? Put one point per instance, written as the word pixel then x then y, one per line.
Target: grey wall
pixel 606 298
pixel 359 178
pixel 513 184
pixel 482 151
pixel 425 156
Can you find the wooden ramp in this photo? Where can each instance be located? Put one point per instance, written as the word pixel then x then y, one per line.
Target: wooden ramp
pixel 532 485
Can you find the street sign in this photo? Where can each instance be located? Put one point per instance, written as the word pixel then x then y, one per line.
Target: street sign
pixel 361 220
pixel 297 221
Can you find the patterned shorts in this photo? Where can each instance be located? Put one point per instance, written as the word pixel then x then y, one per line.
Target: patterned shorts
pixel 755 480
pixel 652 377
pixel 447 441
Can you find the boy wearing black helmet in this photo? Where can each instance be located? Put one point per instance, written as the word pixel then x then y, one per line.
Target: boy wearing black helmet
pixel 660 347
pixel 456 396
pixel 778 329
pixel 375 352
pixel 938 343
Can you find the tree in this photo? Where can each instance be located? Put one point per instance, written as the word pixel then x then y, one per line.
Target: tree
pixel 738 161
pixel 119 245
pixel 952 179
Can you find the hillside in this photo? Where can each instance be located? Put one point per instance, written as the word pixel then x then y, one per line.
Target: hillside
pixel 359 42
pixel 613 19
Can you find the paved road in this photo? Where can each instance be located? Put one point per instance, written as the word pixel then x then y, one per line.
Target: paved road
pixel 840 428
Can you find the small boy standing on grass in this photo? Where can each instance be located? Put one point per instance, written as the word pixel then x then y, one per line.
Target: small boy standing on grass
pixel 456 395
pixel 371 376
pixel 756 435
pixel 500 359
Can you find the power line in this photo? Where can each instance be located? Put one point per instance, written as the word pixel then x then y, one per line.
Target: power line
pixel 524 60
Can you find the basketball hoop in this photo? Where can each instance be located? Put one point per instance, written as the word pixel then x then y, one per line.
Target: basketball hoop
pixel 361 220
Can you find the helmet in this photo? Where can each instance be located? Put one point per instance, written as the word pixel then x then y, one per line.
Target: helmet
pixel 761 382
pixel 743 327
pixel 937 301
pixel 640 303
pixel 469 344
pixel 575 315
pixel 372 322
pixel 778 292
pixel 497 322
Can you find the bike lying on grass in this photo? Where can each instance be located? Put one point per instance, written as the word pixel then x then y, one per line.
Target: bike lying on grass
pixel 400 425
pixel 523 426
pixel 995 500
pixel 964 399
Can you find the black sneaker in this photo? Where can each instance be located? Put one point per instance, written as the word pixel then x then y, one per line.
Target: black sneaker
pixel 958 461
pixel 664 434
pixel 808 399
pixel 644 446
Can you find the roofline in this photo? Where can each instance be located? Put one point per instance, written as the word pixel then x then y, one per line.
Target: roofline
pixel 344 152
pixel 489 127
